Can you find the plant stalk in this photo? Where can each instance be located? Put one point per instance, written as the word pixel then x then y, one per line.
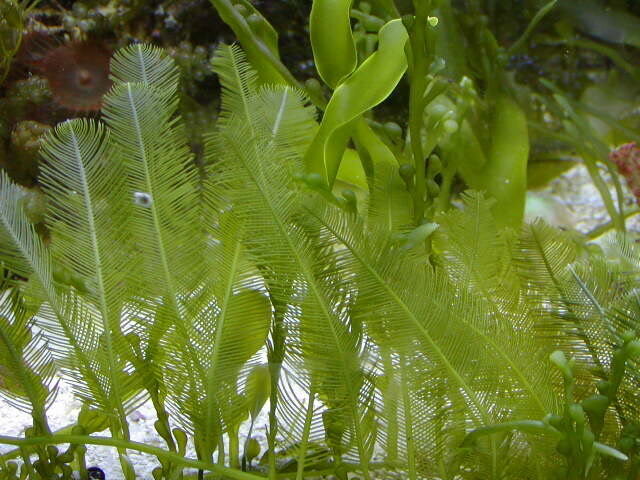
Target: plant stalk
pixel 418 60
pixel 131 445
pixel 305 435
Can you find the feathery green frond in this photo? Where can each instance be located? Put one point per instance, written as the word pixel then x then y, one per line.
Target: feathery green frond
pixel 145 64
pixel 288 119
pixel 475 253
pixel 162 181
pixel 230 325
pixel 165 220
pixel 204 336
pixel 88 210
pixel 558 302
pixel 389 201
pixel 238 81
pixel 543 251
pixel 59 316
pixel 323 345
pixel 320 339
pixel 583 299
pixel 443 332
pixel 165 281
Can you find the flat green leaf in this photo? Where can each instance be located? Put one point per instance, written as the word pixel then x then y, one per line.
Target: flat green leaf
pixel 257 389
pixel 524 426
pixel 505 177
pixel 609 451
pixel 334 49
pixel 259 45
pixel 248 311
pixel 369 85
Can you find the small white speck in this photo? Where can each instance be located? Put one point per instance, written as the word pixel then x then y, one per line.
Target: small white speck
pixel 143 199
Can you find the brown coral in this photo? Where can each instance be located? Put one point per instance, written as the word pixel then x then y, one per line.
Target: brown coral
pixel 78 74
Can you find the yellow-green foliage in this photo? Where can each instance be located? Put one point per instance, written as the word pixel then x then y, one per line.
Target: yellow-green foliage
pixel 209 292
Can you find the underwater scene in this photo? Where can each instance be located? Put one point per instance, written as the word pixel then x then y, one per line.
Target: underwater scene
pixel 320 239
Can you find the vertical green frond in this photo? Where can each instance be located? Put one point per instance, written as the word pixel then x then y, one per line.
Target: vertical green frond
pixel 542 251
pixel 475 252
pixel 389 200
pixel 545 259
pixel 231 320
pixel 69 339
pixel 162 182
pixel 166 226
pixel 288 119
pixel 238 81
pixel 88 211
pixel 279 114
pixel 321 344
pixel 583 299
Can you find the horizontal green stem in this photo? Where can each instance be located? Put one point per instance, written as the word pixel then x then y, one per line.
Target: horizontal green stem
pixel 347 467
pixel 16 453
pixel 127 444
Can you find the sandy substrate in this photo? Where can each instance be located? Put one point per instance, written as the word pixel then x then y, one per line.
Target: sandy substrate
pixel 65 410
pixel 572 201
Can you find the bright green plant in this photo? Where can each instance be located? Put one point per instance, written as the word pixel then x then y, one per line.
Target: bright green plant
pixel 159 285
pixel 418 335
pixel 465 103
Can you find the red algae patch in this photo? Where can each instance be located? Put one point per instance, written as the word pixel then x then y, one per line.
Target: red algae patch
pixel 627 159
